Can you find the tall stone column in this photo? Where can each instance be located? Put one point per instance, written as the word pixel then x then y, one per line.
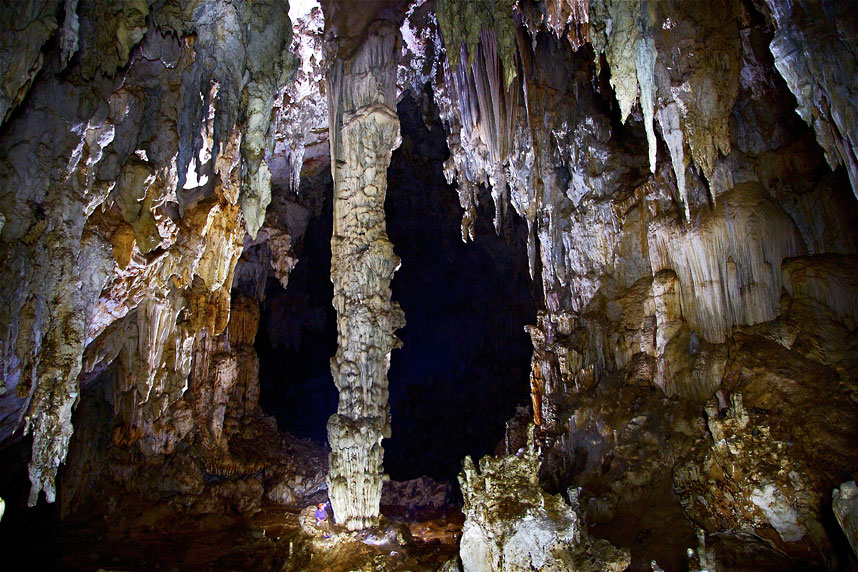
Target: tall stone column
pixel 364 131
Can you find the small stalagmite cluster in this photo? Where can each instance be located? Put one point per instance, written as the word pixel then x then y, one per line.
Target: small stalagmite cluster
pixel 512 525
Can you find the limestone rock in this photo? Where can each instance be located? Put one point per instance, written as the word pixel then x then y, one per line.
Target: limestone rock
pixel 733 283
pixel 814 49
pixel 115 181
pixel 301 120
pixel 26 28
pixel 364 130
pixel 464 24
pixel 845 501
pixel 417 496
pixel 512 525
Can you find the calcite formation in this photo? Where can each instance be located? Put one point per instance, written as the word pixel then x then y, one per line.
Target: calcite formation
pixel 655 268
pixel 815 46
pixel 301 120
pixel 364 130
pixel 122 235
pixel 692 236
pixel 512 525
pixel 26 27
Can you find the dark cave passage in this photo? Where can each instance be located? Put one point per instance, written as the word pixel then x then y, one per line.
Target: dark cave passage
pixel 298 330
pixel 465 360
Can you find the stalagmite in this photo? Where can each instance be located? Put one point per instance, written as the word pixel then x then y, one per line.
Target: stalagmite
pixel 512 525
pixel 364 130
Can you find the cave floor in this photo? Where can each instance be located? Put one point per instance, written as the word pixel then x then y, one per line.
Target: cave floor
pixel 157 538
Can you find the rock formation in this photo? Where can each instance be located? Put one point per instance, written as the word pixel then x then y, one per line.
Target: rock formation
pixel 511 525
pixel 364 130
pixel 672 271
pixel 687 175
pixel 130 211
pixel 846 511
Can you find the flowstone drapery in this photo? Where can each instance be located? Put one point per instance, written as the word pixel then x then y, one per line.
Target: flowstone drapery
pixel 364 130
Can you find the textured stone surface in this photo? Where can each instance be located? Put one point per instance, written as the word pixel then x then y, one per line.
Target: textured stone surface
pixel 655 271
pixel 512 525
pixel 815 46
pixel 27 25
pixel 694 363
pixel 845 502
pixel 107 241
pixel 364 130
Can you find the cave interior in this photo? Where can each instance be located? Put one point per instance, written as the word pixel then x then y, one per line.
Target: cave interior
pixel 441 285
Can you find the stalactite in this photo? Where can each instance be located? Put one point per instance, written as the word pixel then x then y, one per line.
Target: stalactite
pixel 485 110
pixel 571 17
pixel 102 127
pixel 815 48
pixel 364 130
pixel 302 113
pixel 464 23
pixel 242 49
pixel 671 131
pixel 627 41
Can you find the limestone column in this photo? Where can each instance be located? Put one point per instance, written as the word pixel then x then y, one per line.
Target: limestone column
pixel 364 131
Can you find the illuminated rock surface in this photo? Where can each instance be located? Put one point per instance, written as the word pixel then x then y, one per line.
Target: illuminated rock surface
pixel 364 130
pixel 512 525
pixel 686 173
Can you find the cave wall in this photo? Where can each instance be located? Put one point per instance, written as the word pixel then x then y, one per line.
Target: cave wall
pixel 693 361
pixel 132 170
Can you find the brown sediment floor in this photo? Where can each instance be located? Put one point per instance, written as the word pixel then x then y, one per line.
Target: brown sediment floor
pixel 155 538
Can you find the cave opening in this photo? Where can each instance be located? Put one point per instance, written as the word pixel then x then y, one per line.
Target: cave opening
pixel 464 365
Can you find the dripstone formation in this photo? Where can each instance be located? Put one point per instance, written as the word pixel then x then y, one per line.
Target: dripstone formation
pixel 513 526
pixel 682 176
pixel 364 131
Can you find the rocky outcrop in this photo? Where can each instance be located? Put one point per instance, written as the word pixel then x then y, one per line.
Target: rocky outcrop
pixel 209 450
pixel 512 525
pixel 419 498
pixel 815 46
pixel 845 501
pixel 364 130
